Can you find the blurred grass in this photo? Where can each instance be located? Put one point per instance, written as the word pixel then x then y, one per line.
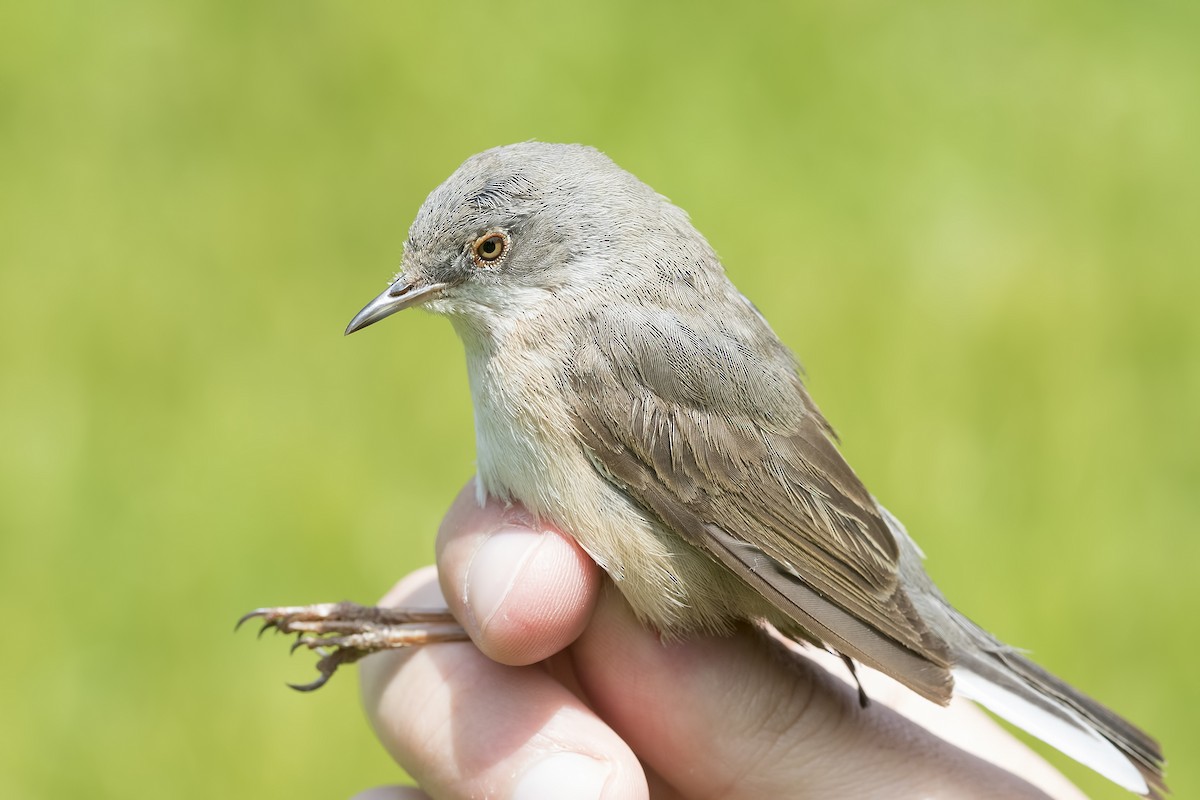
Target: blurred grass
pixel 977 225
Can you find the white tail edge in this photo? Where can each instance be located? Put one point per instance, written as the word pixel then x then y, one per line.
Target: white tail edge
pixel 1069 733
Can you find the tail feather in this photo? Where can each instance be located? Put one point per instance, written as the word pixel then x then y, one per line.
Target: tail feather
pixel 1015 688
pixel 998 677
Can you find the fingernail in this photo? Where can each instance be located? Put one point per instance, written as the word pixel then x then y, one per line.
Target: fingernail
pixel 565 776
pixel 494 569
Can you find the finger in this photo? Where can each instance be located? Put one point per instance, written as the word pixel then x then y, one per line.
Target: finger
pixel 391 793
pixel 962 723
pixel 742 717
pixel 465 726
pixel 523 591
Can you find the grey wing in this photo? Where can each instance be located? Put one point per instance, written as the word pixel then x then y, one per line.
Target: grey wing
pixel 757 484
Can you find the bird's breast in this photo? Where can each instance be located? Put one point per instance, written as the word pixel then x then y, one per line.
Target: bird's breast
pixel 523 437
pixel 528 452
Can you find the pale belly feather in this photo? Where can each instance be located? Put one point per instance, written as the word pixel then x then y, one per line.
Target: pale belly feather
pixel 528 452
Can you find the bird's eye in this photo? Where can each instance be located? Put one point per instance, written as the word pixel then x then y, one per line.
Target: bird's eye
pixel 489 249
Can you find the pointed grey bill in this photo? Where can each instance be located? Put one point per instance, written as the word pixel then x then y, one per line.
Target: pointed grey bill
pixel 397 297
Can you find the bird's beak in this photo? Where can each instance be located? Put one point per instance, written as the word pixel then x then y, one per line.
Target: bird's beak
pixel 403 292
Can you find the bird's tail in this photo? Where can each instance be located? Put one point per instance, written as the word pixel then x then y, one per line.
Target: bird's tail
pixel 1013 687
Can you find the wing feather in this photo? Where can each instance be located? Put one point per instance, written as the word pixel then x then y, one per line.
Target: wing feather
pixel 759 484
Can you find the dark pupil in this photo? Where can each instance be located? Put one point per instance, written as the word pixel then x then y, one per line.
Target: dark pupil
pixel 490 247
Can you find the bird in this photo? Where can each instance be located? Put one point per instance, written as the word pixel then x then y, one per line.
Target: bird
pixel 625 391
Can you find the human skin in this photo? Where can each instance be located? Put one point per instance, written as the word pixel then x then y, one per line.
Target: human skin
pixel 563 693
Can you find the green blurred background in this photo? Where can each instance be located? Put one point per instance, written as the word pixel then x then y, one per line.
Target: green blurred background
pixel 977 224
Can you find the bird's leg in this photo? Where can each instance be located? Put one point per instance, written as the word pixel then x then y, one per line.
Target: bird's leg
pixel 342 633
pixel 863 700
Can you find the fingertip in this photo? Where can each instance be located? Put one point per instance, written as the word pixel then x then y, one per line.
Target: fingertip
pixel 522 590
pixel 530 593
pixel 465 726
pixel 566 774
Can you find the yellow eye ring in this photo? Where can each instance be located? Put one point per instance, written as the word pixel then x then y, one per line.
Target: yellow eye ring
pixel 489 250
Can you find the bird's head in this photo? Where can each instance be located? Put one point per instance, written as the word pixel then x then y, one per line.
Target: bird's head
pixel 518 226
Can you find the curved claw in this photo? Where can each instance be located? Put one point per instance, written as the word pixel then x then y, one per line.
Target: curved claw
pixel 343 633
pixel 312 687
pixel 258 612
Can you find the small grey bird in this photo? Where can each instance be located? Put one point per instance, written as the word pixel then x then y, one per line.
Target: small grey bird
pixel 625 391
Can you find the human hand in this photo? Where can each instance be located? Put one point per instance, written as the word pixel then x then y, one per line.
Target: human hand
pixel 563 694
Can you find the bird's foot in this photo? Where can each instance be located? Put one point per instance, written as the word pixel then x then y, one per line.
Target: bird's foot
pixel 342 633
